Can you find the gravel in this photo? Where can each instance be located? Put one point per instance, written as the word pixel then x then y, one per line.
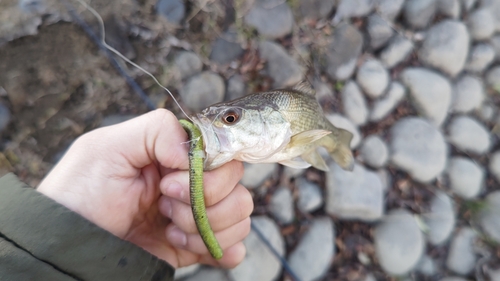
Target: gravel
pixel 373 78
pixel 354 103
pixel 469 135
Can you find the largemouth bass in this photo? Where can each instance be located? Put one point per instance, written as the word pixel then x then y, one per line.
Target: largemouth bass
pixel 285 126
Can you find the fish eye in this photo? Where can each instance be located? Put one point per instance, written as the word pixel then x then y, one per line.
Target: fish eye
pixel 230 117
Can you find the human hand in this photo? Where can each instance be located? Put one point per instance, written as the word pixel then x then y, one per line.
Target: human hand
pixel 132 180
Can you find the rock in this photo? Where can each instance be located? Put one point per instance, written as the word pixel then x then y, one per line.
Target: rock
pixel 488 217
pixel 313 255
pixel 461 257
pixel 281 205
pixel 468 4
pixel 468 94
pixel 173 10
pixel 493 78
pixel 487 112
pixel 495 165
pixel 453 279
pixel 431 93
pixel 481 24
pixel 418 148
pixel 466 177
pixel 374 151
pixel 188 64
pixel 399 244
pixel 379 30
pixel 385 178
pixel 493 274
pixel 445 47
pixel 495 43
pixel 281 67
pixel 256 174
pixel 384 106
pixel 343 51
pixel 354 195
pixel 4 117
pixel 260 263
pixel 440 220
pixel 341 122
pixel 226 48
pixel 290 172
pixel 272 19
pixel 398 49
pixel 186 271
pixel 315 9
pixel 469 135
pixel 354 103
pixel 310 198
pixel 389 9
pixel 236 87
pixel 419 13
pixel 352 8
pixel 494 7
pixel 209 274
pixel 426 266
pixel 202 90
pixel 480 57
pixel 116 119
pixel 373 78
pixel 449 8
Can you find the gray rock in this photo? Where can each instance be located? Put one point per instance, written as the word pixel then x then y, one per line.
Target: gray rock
pixel 469 135
pixel 494 7
pixel 354 195
pixel 183 272
pixel 389 9
pixel 489 218
pixel 449 8
pixel 256 174
pixel 495 43
pixel 352 8
pixel 4 117
pixel 188 64
pixel 340 121
pixel 313 255
pixel 281 67
pixel 379 30
pixel 209 274
pixel 399 243
pixel 481 24
pixel 281 205
pixel 493 78
pixel 272 19
pixel 453 279
pixel 202 90
pixel 418 148
pixel 354 103
pixel 173 10
pixel 343 51
pixel 373 78
pixel 290 172
pixel 315 9
pixel 385 178
pixel 487 112
pixel 440 220
pixel 374 151
pixel 398 49
pixel 430 91
pixel 468 94
pixel 236 87
pixel 445 47
pixel 461 257
pixel 419 13
pixel 226 48
pixel 480 57
pixel 260 263
pixel 384 106
pixel 466 177
pixel 426 266
pixel 468 4
pixel 310 197
pixel 495 165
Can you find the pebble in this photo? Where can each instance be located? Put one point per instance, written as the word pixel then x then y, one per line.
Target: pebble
pixel 426 266
pixel 341 122
pixel 481 24
pixel 468 4
pixel 356 195
pixel 495 165
pixel 188 64
pixel 449 8
pixel 343 52
pixel 236 87
pixel 312 257
pixel 290 172
pixel 207 273
pixel 374 151
pixel 379 30
pixel 259 262
pixel 256 174
pixel 310 197
pixel 352 8
pixel 418 148
pixel 389 9
pixel 281 67
pixel 385 178
pixel 419 13
pixel 397 50
pixel 430 91
pixel 489 218
pixel 480 57
pixel 5 117
pixel 440 220
pixel 486 112
pixel 494 7
pixel 469 135
pixel 468 94
pixel 493 78
pixel 281 205
pixel 466 177
pixel 226 48
pixel 461 257
pixel 315 9
pixel 446 47
pixel 453 278
pixel 373 78
pixel 399 243
pixel 271 18
pixel 495 43
pixel 384 106
pixel 173 10
pixel 354 103
pixel 202 90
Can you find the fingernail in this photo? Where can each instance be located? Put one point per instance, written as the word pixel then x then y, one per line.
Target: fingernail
pixel 175 190
pixel 177 237
pixel 166 207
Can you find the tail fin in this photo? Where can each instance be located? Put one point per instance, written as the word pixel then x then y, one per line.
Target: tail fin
pixel 342 153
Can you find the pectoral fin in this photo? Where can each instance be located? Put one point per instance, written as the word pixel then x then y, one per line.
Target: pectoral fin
pixel 314 158
pixel 296 163
pixel 307 137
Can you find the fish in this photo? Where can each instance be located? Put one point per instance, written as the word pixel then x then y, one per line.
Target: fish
pixel 286 126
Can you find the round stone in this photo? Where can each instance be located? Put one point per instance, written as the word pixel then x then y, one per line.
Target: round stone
pixel 489 218
pixel 188 64
pixel 495 165
pixel 281 67
pixel 469 135
pixel 418 13
pixel 468 94
pixel 466 177
pixel 397 51
pixel 343 51
pixel 256 174
pixel 202 90
pixel 441 219
pixel 310 197
pixel 481 24
pixel 354 103
pixel 281 205
pixel 379 30
pixel 374 151
pixel 173 10
pixel 271 18
pixel 373 78
pixel 480 57
pixel 382 107
pixel 461 256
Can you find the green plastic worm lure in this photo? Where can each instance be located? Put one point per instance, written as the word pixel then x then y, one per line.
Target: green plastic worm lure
pixel 196 155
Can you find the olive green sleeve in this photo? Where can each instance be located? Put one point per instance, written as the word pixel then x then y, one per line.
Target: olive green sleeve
pixel 43 240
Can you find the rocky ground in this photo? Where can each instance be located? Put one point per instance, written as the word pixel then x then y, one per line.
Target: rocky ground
pixel 416 81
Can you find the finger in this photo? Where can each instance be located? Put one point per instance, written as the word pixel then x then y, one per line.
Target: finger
pixel 232 257
pixel 237 206
pixel 218 183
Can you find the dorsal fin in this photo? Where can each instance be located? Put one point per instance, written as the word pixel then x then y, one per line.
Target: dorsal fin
pixel 305 87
